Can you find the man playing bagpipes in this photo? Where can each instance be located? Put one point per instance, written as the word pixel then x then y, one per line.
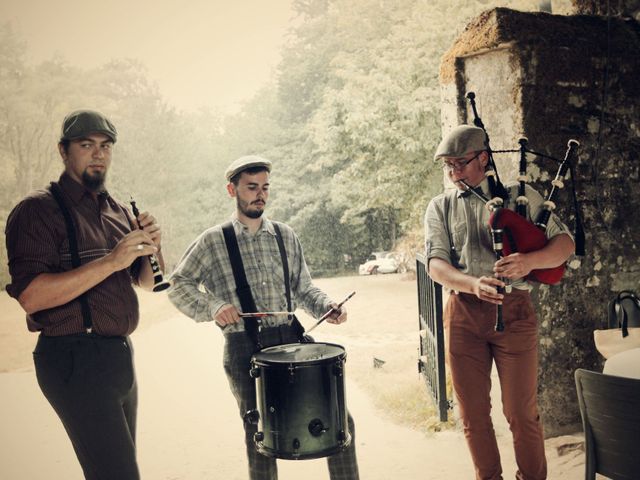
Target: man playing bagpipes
pixel 464 255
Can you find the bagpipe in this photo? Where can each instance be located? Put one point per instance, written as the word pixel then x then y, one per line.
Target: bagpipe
pixel 511 230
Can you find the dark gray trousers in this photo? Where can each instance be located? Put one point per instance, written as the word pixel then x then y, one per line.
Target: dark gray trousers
pixel 238 351
pixel 90 382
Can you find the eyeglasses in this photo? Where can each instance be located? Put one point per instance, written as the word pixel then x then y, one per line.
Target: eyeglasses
pixel 459 165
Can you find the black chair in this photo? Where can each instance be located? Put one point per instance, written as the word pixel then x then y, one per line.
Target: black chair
pixel 610 409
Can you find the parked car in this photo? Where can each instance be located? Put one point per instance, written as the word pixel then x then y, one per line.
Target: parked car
pixel 379 262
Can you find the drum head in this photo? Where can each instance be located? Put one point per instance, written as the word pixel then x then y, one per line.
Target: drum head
pixel 299 353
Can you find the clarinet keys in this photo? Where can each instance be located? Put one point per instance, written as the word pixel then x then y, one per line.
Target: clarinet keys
pixel 159 283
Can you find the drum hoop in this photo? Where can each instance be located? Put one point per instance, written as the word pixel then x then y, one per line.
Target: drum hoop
pixel 286 364
pixel 285 455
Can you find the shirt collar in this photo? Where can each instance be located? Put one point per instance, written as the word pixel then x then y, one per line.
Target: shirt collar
pixel 484 185
pixel 75 190
pixel 239 227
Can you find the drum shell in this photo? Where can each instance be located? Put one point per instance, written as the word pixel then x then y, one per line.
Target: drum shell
pixel 291 396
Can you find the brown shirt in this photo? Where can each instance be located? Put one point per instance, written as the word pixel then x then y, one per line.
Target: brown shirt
pixel 37 243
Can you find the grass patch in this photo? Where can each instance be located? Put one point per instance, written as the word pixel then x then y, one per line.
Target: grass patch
pixel 395 387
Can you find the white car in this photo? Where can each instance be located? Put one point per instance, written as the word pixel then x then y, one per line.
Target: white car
pixel 379 262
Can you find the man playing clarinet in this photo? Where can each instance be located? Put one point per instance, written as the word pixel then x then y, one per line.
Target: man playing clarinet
pixel 461 257
pixel 74 252
pixel 204 288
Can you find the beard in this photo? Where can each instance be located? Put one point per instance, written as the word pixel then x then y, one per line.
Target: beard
pixel 94 182
pixel 244 207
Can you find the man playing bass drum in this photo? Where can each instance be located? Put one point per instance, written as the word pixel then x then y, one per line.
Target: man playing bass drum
pixel 461 257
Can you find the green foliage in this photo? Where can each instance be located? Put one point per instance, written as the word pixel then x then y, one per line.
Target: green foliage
pixel 170 163
pixel 324 240
pixel 350 121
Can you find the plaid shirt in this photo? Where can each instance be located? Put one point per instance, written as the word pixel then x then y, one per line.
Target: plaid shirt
pixel 203 280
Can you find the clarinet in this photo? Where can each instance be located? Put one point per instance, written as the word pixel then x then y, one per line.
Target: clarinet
pixel 494 205
pixel 159 283
pixel 542 219
pixel 522 201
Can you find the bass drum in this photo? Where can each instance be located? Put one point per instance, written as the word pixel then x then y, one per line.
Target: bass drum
pixel 301 411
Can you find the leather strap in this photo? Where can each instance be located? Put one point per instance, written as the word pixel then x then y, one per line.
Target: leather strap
pixel 75 255
pixel 621 313
pixel 452 248
pixel 295 323
pixel 243 290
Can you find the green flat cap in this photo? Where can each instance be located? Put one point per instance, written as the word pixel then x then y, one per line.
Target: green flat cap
pixel 244 163
pixel 460 141
pixel 81 123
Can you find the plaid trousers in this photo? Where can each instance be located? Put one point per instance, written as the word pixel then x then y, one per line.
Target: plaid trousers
pixel 238 350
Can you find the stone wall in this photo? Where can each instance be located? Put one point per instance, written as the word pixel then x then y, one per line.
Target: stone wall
pixel 551 78
pixel 613 8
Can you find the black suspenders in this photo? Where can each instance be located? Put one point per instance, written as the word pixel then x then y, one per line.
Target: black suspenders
pixel 243 289
pixel 295 323
pixel 75 256
pixel 452 248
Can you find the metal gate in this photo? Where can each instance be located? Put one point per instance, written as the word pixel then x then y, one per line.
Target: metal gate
pixel 431 361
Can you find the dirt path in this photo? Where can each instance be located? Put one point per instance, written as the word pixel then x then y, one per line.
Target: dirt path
pixel 188 426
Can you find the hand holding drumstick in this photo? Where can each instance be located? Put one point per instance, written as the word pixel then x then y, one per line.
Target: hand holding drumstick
pixel 332 310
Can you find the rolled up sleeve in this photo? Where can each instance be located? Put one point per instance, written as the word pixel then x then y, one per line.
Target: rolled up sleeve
pixel 437 242
pixel 32 246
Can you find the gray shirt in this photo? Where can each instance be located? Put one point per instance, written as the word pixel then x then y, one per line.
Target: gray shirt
pixel 467 226
pixel 203 280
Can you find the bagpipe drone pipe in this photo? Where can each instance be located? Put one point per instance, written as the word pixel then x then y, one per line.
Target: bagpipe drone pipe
pixel 516 233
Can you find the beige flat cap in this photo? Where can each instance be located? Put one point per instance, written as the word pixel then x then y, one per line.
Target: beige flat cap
pixel 244 163
pixel 460 141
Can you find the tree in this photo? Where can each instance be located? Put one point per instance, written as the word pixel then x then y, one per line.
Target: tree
pixel 351 121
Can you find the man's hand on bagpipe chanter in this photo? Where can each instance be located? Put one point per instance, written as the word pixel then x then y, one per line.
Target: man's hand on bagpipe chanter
pixel 514 266
pixel 489 289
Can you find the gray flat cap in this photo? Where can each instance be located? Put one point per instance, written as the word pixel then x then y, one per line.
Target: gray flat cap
pixel 81 123
pixel 244 163
pixel 460 141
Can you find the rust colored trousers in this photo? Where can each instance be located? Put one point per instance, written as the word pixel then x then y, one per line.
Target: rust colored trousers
pixel 472 347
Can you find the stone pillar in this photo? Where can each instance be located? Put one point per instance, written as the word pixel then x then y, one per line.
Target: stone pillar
pixel 610 8
pixel 562 7
pixel 551 78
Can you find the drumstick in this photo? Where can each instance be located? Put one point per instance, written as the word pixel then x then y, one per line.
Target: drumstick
pixel 264 314
pixel 331 310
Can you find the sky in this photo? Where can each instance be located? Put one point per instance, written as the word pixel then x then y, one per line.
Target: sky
pixel 200 53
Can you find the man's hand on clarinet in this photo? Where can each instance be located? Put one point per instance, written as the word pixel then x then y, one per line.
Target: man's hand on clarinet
pixel 149 224
pixel 133 245
pixel 485 288
pixel 227 314
pixel 339 315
